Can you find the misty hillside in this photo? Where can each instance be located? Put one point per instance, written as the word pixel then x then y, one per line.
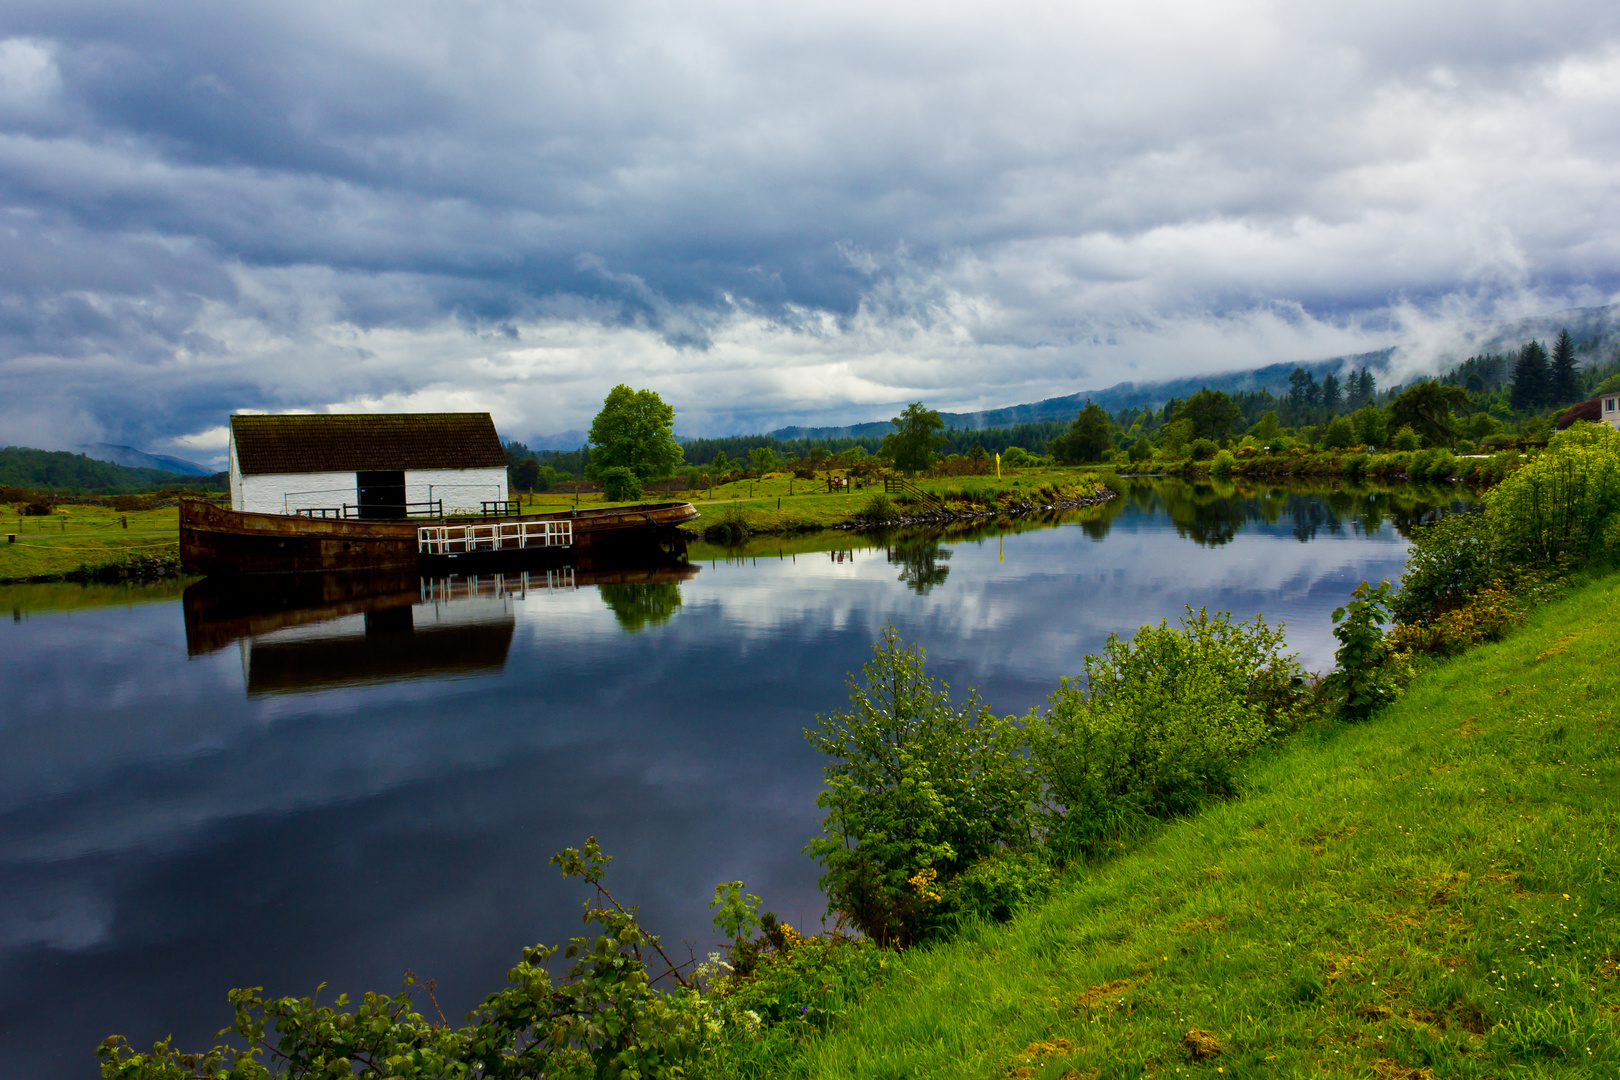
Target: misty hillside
pixel 1596 331
pixel 140 459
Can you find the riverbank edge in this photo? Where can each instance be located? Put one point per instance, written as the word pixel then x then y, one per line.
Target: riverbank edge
pixel 139 568
pixel 1101 495
pixel 1191 935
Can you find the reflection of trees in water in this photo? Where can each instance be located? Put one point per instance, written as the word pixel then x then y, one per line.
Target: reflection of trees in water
pixel 922 563
pixel 1213 515
pixel 642 604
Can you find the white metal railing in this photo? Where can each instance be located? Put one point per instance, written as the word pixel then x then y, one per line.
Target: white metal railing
pixel 493 536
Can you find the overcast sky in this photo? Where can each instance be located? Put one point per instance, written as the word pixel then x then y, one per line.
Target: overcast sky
pixel 768 213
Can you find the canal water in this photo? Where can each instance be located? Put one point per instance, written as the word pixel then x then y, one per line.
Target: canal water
pixel 341 782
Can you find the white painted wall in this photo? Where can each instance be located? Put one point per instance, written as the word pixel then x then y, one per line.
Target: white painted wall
pixel 1611 415
pixel 288 493
pixel 461 489
pixel 236 478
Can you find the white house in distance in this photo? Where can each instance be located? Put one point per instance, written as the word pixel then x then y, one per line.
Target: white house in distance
pixel 367 465
pixel 1611 415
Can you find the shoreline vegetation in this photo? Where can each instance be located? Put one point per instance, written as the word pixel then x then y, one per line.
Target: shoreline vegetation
pixel 1196 858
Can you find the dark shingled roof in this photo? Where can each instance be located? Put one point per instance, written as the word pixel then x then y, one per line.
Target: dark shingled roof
pixel 353 442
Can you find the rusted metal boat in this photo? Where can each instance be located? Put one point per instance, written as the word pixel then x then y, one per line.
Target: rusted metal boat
pixel 215 540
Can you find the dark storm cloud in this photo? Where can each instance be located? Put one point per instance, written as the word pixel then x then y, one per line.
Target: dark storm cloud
pixel 769 214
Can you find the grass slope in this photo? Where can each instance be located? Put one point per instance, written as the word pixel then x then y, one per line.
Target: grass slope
pixel 75 536
pixel 1430 894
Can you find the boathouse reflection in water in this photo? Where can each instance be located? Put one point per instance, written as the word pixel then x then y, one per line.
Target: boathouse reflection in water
pixel 303 633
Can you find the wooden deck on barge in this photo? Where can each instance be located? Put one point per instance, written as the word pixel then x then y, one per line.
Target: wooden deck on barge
pixel 214 540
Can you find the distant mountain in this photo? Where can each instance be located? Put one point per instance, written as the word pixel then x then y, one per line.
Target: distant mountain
pixel 1594 329
pixel 562 440
pixel 1273 377
pixel 67 473
pixel 140 459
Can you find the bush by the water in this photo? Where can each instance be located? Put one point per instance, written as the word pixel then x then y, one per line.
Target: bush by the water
pixel 1161 722
pixel 918 788
pixel 730 528
pixel 938 811
pixel 877 510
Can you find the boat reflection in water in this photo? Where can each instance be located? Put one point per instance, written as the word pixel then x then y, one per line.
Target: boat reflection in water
pixel 305 632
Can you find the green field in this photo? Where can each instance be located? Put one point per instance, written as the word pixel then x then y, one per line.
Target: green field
pixel 1429 894
pixel 74 536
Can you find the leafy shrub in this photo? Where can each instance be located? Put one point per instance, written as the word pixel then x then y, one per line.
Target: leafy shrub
pixel 1406 440
pixel 1017 457
pixel 1223 464
pixel 730 528
pixel 1447 563
pixel 1487 616
pixel 1565 502
pixel 794 991
pixel 601 1018
pixel 1355 466
pixel 1163 723
pixel 918 789
pixel 620 483
pixel 1418 468
pixel 1203 449
pixel 877 510
pixel 1498 467
pixel 996 887
pixel 1362 682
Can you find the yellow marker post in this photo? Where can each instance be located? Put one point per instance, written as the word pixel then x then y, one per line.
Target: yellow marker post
pixel 998 466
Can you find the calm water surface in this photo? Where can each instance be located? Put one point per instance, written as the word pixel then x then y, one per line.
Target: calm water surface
pixel 342 792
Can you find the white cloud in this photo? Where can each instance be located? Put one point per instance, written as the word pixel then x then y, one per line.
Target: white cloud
pixel 765 213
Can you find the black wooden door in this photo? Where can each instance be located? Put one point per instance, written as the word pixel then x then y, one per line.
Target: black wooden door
pixel 382 493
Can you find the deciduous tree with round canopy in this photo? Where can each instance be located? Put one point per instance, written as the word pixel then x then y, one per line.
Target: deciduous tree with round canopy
pixel 635 430
pixel 1425 407
pixel 918 433
pixel 1088 437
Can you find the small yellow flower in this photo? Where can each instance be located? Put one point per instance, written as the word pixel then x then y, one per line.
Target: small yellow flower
pixel 923 881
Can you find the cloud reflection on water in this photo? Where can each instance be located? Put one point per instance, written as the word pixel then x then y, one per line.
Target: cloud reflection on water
pixel 165 835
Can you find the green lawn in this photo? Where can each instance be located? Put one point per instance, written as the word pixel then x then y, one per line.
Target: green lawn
pixel 781 503
pixel 1429 894
pixel 80 535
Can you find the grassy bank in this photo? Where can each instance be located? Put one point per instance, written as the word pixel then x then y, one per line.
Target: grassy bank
pixel 72 536
pixel 1428 894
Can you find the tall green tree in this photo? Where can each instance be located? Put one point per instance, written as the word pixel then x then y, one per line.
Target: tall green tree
pixel 1371 426
pixel 635 430
pixel 1563 380
pixel 1091 434
pixel 918 432
pixel 1530 377
pixel 1213 414
pixel 1332 394
pixel 1426 407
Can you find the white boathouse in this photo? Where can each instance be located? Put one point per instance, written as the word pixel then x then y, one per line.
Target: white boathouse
pixel 368 465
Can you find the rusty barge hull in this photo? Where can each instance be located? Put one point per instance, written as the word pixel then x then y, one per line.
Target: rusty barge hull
pixel 214 540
